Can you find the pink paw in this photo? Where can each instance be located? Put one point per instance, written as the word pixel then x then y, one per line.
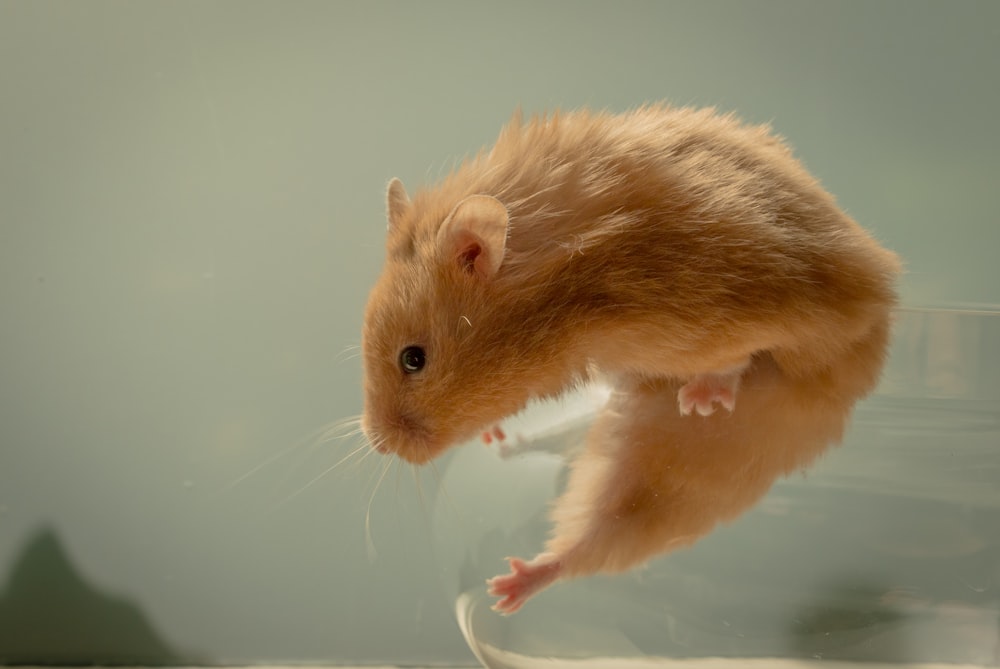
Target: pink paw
pixel 524 580
pixel 495 432
pixel 703 391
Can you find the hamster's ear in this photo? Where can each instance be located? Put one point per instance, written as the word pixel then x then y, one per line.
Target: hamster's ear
pixel 396 203
pixel 475 235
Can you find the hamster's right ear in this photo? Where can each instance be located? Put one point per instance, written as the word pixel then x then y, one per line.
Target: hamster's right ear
pixel 475 234
pixel 397 202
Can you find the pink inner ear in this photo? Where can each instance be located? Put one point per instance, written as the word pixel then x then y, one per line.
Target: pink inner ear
pixel 470 254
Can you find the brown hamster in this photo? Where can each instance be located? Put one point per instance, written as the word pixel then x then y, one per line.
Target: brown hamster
pixel 687 259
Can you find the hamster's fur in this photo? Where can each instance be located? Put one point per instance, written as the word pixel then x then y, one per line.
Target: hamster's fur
pixel 676 253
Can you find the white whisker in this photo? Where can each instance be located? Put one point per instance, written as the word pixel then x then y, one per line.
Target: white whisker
pixel 324 473
pixel 369 542
pixel 441 490
pixel 274 457
pixel 347 353
pixel 419 488
pixel 269 460
pixel 334 429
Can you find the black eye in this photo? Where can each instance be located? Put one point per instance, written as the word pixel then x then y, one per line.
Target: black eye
pixel 412 359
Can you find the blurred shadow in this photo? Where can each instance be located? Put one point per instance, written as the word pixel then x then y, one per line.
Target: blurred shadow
pixel 49 614
pixel 863 623
pixel 854 622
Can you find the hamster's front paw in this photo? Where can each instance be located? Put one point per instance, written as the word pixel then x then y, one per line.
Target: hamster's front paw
pixel 495 432
pixel 703 391
pixel 524 580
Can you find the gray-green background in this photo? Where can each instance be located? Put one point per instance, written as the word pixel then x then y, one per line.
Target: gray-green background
pixel 190 217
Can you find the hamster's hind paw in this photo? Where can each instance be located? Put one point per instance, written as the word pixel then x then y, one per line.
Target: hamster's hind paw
pixel 524 580
pixel 704 390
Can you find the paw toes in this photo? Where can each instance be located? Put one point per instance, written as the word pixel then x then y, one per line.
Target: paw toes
pixel 510 592
pixel 703 393
pixel 517 565
pixel 507 606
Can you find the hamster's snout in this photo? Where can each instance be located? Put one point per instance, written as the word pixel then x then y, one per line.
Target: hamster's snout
pixel 401 435
pixel 375 441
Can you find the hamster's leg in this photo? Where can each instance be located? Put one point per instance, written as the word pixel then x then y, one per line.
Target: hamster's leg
pixel 643 486
pixel 651 480
pixel 704 390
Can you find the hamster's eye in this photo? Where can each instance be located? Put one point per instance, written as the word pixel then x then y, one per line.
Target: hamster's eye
pixel 412 359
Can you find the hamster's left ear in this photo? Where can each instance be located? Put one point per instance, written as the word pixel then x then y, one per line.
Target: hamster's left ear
pixel 475 235
pixel 397 202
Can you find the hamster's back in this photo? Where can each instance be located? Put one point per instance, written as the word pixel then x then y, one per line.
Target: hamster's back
pixel 717 216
